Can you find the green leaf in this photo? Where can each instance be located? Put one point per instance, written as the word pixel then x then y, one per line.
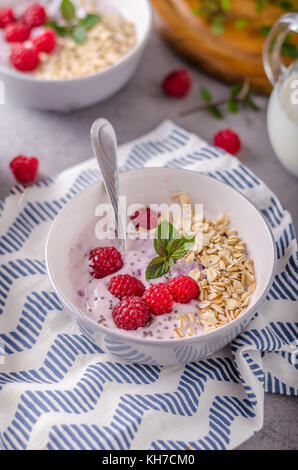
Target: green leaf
pixel 289 50
pixel 78 34
pixel 261 4
pixel 160 246
pixel 89 21
pixel 205 95
pixel 249 102
pixel 265 30
pixel 232 106
pixel 215 112
pixel 185 244
pixel 172 246
pixel 197 11
pixel 178 248
pixel 166 231
pixel 157 268
pixel 235 90
pixel 217 25
pixel 225 5
pixel 169 246
pixel 285 5
pixel 68 10
pixel 62 31
pixel 207 8
pixel 241 23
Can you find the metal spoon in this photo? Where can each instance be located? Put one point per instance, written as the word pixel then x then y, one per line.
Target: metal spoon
pixel 104 144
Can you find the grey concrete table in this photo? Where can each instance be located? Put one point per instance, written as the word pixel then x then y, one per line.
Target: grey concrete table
pixel 60 141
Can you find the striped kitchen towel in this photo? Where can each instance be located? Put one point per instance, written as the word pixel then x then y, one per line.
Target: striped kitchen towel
pixel 60 391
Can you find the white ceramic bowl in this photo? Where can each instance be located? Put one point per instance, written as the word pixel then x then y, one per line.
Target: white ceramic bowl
pixel 156 185
pixel 66 95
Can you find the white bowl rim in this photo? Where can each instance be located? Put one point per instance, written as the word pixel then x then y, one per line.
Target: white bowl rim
pixel 124 335
pixel 126 58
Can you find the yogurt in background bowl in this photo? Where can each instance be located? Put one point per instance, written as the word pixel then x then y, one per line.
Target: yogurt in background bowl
pixel 66 95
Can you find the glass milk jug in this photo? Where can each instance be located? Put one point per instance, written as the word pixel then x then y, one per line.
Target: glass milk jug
pixel 282 113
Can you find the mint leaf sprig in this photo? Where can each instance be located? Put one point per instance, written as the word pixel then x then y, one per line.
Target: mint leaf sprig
pixel 74 27
pixel 169 246
pixel 240 95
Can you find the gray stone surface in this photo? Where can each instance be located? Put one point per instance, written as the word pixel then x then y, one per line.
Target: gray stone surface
pixel 60 141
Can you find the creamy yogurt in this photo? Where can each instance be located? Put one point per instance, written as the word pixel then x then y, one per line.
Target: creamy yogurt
pixel 95 300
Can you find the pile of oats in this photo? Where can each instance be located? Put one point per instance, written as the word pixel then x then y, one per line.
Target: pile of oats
pixel 107 42
pixel 226 277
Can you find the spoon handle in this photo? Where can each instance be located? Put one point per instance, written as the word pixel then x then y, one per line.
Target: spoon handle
pixel 104 144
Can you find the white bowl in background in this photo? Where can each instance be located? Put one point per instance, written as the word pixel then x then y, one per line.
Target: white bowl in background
pixel 66 95
pixel 156 185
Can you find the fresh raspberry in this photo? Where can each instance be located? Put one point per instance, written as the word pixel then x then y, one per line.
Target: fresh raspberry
pixel 145 218
pixel 159 299
pixel 183 289
pixel 104 261
pixel 177 83
pixel 228 140
pixel 131 313
pixel 24 58
pixel 24 168
pixel 17 32
pixel 34 16
pixel 125 285
pixel 6 17
pixel 45 42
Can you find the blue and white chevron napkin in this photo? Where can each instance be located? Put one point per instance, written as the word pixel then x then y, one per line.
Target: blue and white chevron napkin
pixel 59 391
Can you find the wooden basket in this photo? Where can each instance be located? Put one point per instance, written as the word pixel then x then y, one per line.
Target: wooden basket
pixel 235 55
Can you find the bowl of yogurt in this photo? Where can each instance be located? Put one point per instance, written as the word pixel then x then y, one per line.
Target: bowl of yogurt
pixel 96 53
pixel 189 308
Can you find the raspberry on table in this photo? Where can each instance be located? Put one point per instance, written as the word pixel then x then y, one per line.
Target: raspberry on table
pixel 131 313
pixel 34 16
pixel 104 261
pixel 7 16
pixel 45 42
pixel 124 285
pixel 159 299
pixel 183 289
pixel 24 168
pixel 228 140
pixel 177 83
pixel 145 218
pixel 17 32
pixel 24 58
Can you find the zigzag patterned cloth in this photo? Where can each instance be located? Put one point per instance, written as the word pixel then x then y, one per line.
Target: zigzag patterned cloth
pixel 59 391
